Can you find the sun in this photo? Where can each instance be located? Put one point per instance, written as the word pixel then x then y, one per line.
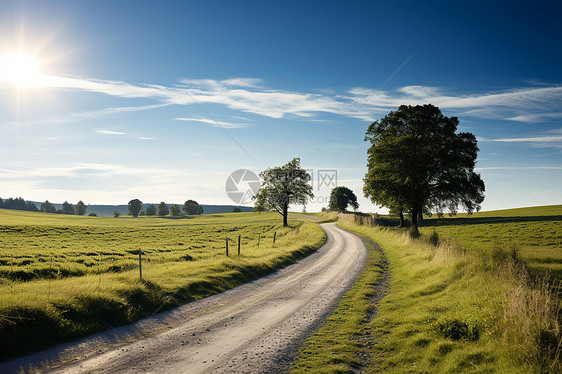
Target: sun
pixel 20 69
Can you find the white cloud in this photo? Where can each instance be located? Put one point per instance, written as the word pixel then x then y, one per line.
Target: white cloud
pixel 528 104
pixel 110 132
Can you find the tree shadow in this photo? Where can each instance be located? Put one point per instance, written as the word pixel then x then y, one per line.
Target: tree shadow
pixel 458 221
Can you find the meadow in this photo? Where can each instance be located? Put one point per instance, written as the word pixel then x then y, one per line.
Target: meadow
pixel 533 234
pixel 469 300
pixel 62 276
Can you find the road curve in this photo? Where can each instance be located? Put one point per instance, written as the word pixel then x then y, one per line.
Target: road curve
pixel 256 327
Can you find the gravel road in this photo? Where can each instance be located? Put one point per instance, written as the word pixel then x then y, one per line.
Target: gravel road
pixel 254 328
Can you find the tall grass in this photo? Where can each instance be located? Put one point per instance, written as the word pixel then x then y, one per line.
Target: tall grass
pixel 450 308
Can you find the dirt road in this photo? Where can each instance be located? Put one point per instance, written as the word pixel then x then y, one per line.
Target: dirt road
pixel 253 328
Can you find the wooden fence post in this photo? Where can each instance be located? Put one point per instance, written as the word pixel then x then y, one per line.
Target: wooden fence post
pixel 140 264
pixel 226 247
pixel 238 245
pixel 259 237
pixel 274 236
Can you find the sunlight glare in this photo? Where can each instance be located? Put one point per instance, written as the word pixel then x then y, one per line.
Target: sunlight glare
pixel 19 69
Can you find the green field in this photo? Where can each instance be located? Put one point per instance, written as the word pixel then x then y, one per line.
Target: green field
pixel 465 306
pixel 67 276
pixel 535 234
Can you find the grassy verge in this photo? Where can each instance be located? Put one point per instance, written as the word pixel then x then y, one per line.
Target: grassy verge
pixel 183 260
pixel 449 309
pixel 345 339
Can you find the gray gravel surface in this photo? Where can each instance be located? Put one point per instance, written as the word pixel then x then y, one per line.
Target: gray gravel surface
pixel 254 328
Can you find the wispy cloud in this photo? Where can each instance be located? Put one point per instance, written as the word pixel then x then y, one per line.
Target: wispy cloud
pixel 223 124
pixel 110 132
pixel 537 139
pixel 526 104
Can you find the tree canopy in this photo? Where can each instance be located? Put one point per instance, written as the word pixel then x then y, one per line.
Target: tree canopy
pixel 192 207
pixel 418 162
pixel 67 208
pixel 135 206
pixel 80 208
pixel 151 210
pixel 47 207
pixel 282 186
pixel 341 197
pixel 163 209
pixel 175 210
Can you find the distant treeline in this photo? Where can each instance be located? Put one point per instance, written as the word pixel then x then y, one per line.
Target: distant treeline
pixel 101 210
pixel 18 204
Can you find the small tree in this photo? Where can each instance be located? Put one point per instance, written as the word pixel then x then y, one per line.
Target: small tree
pixel 282 186
pixel 135 206
pixel 116 214
pixel 151 210
pixel 192 207
pixel 236 210
pixel 80 208
pixel 175 210
pixel 47 207
pixel 341 197
pixel 142 213
pixel 67 208
pixel 163 209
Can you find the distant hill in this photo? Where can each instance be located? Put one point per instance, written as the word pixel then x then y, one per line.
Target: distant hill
pixel 107 210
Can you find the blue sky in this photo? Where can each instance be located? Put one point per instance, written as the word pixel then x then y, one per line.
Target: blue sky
pixel 109 101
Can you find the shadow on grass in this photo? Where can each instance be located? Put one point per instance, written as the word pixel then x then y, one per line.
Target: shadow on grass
pixel 431 222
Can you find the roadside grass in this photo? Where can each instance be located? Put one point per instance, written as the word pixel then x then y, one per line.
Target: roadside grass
pixel 62 277
pixel 450 309
pixel 346 335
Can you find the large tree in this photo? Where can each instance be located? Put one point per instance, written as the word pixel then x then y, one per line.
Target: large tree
pixel 282 186
pixel 192 207
pixel 417 161
pixel 135 206
pixel 341 197
pixel 175 210
pixel 80 208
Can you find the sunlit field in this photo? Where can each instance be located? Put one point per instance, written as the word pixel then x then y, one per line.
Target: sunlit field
pixel 68 276
pixel 534 234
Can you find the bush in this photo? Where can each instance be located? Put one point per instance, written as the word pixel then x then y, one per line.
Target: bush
pixel 93 214
pixel 116 214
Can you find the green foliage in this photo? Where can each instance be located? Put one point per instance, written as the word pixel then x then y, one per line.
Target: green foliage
pixel 236 210
pixel 417 161
pixel 80 208
pixel 135 206
pixel 142 213
pixel 341 197
pixel 74 275
pixel 116 214
pixel 92 215
pixel 47 207
pixel 175 210
pixel 151 210
pixel 67 208
pixel 163 209
pixel 191 208
pixel 282 186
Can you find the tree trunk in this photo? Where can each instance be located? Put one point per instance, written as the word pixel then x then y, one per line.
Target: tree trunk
pixel 420 214
pixel 415 216
pixel 285 214
pixel 402 224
